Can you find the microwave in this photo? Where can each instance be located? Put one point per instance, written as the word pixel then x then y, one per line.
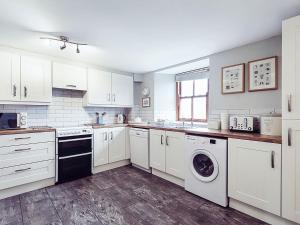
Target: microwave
pixel 244 123
pixel 13 120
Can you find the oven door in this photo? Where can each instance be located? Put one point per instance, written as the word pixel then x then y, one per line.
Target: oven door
pixel 74 157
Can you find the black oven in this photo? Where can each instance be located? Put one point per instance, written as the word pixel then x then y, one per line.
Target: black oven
pixel 74 157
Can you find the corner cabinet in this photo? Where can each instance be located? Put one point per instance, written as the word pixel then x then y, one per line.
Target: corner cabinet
pixel 108 89
pixel 166 152
pixel 254 174
pixel 25 80
pixel 109 145
pixel 67 76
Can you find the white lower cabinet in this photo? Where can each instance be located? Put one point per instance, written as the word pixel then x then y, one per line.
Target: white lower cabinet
pixel 26 158
pixel 254 174
pixel 166 152
pixel 291 170
pixel 109 145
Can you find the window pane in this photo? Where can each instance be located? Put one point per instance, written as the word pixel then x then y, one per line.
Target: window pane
pixel 186 88
pixel 199 108
pixel 201 86
pixel 185 108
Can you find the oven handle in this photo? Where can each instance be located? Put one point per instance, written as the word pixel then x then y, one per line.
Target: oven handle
pixel 73 156
pixel 74 139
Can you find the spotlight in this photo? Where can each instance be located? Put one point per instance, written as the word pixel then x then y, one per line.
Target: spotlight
pixel 77 49
pixel 63 47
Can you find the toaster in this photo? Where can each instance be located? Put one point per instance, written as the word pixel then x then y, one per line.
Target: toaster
pixel 244 123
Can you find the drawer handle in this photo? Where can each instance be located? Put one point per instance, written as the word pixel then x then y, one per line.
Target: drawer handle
pixel 272 159
pixel 22 138
pixel 22 170
pixel 22 149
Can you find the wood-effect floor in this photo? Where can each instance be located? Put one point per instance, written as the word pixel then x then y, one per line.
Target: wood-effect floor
pixel 124 196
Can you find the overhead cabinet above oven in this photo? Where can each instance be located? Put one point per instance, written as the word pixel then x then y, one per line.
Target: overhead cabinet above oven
pixel 109 89
pixel 66 76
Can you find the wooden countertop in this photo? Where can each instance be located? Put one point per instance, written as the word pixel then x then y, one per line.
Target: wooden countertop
pixel 218 133
pixel 27 130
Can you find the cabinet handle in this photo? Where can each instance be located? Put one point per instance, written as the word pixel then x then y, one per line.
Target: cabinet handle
pixel 167 140
pixel 108 97
pixel 161 139
pixel 25 92
pixel 114 98
pixel 290 103
pixel 22 149
pixel 105 136
pixel 272 159
pixel 289 137
pixel 22 138
pixel 111 135
pixel 22 170
pixel 71 85
pixel 14 90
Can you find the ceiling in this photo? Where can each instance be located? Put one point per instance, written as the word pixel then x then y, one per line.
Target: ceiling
pixel 141 35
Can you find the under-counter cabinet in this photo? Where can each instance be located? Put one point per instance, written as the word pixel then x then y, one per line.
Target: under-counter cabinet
pixel 254 174
pixel 166 152
pixel 66 76
pixel 109 145
pixel 26 80
pixel 108 89
pixel 25 159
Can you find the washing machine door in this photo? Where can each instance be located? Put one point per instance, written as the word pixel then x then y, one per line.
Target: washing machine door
pixel 204 166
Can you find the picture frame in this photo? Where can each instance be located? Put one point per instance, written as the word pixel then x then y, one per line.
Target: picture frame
pixel 233 79
pixel 146 102
pixel 263 74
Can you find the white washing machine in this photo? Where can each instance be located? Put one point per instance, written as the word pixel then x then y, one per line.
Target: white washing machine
pixel 206 168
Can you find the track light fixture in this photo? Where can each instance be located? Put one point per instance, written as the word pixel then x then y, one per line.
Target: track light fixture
pixel 65 40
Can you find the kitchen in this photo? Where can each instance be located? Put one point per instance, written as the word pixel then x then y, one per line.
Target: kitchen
pixel 130 124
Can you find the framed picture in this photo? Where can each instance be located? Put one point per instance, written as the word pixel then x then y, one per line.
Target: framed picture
pixel 233 79
pixel 146 102
pixel 263 74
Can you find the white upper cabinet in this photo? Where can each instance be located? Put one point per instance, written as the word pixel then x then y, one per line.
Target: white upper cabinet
pixel 10 77
pixel 108 89
pixel 67 76
pixel 99 88
pixel 291 68
pixel 36 83
pixel 254 174
pixel 122 90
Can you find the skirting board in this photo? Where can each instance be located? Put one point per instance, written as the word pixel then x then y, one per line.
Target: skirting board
pixel 168 177
pixel 26 188
pixel 110 166
pixel 258 213
pixel 141 168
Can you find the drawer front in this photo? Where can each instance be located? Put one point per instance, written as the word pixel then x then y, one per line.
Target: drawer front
pixel 24 154
pixel 23 174
pixel 24 139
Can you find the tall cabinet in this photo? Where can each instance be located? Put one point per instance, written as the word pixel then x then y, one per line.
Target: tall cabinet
pixel 291 119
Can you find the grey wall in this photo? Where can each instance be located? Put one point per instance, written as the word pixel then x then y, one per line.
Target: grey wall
pixel 254 102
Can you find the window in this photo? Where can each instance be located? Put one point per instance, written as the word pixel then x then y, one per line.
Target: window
pixel 192 100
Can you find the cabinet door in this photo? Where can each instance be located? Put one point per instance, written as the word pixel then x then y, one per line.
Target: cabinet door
pixel 157 150
pixel 36 85
pixel 10 77
pixel 99 88
pixel 69 76
pixel 127 140
pixel 100 147
pixel 117 144
pixel 291 170
pixel 291 68
pixel 122 90
pixel 175 154
pixel 254 174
